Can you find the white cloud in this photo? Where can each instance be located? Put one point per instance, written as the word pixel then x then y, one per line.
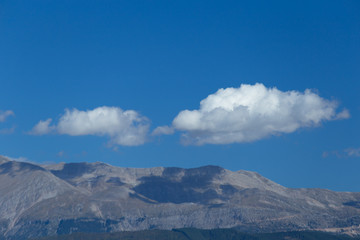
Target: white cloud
pixel 42 128
pixel 344 114
pixel 5 114
pixel 163 130
pixel 127 128
pixel 253 112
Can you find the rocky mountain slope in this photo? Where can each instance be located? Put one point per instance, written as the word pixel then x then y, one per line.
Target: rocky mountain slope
pixel 41 200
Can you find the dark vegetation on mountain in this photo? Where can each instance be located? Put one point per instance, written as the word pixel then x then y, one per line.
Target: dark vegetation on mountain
pixel 197 234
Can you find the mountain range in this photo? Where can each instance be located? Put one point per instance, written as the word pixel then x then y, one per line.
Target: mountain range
pixel 44 200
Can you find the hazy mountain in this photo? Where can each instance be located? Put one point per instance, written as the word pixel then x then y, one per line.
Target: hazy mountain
pixel 39 200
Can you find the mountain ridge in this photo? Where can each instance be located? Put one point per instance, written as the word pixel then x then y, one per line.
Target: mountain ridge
pixel 41 200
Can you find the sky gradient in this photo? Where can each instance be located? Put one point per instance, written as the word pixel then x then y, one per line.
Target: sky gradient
pixel 270 87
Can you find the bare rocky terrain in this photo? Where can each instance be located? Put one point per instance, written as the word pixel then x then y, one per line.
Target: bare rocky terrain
pixel 41 200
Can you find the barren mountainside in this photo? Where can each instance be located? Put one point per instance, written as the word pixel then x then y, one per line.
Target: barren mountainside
pixel 41 200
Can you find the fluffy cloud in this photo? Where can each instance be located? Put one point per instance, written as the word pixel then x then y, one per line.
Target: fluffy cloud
pixel 6 114
pixel 127 128
pixel 253 112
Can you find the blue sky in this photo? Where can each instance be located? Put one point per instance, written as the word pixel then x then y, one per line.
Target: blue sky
pixel 143 63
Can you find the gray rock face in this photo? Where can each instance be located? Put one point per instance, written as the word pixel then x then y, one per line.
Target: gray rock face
pixel 40 200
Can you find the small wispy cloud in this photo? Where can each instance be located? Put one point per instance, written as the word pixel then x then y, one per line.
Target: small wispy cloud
pixel 163 130
pixel 43 127
pixel 5 114
pixel 353 152
pixel 342 115
pixel 5 131
pixel 127 128
pixel 61 154
pixel 335 153
pixel 346 153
